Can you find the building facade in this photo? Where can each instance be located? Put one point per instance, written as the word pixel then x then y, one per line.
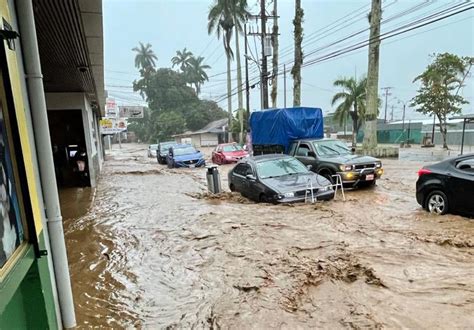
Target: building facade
pixel 51 99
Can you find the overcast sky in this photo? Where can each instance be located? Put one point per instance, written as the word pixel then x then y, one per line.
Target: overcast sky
pixel 170 25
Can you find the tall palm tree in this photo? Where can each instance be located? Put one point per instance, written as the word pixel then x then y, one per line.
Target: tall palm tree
pixel 196 72
pixel 221 21
pixel 240 13
pixel 145 57
pixel 352 102
pixel 296 70
pixel 182 59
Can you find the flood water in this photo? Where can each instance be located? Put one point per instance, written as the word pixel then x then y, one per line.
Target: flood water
pixel 151 249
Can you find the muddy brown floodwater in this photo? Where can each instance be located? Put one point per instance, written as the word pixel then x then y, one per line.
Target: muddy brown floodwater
pixel 151 249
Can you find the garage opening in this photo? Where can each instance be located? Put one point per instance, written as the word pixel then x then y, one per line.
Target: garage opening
pixel 69 148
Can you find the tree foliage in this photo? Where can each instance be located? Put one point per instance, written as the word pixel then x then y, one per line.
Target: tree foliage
pixel 173 106
pixel 352 102
pixel 441 83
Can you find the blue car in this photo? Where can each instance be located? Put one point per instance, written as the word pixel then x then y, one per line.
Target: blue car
pixel 184 155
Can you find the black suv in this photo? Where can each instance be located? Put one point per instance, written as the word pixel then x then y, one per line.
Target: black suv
pixel 328 157
pixel 162 151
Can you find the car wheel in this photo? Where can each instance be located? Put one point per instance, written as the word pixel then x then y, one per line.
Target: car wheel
pixel 327 176
pixel 232 187
pixel 437 202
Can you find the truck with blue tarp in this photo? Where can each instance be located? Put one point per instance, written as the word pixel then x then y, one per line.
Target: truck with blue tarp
pixel 299 132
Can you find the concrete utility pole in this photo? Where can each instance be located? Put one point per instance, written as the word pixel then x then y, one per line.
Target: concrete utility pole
pixel 370 136
pixel 391 115
pixel 284 85
pixel 298 61
pixel 247 86
pixel 387 94
pixel 274 93
pixel 263 21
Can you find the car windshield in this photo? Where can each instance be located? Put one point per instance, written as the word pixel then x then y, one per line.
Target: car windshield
pixel 165 146
pixel 331 148
pixel 280 167
pixel 184 151
pixel 230 148
pixel 153 146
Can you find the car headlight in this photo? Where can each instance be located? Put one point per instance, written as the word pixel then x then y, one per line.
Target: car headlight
pixel 378 164
pixel 323 189
pixel 345 167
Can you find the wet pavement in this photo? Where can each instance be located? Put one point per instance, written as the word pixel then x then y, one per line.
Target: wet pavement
pixel 150 248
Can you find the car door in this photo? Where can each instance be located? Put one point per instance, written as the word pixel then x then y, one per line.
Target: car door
pixel 461 185
pixel 238 177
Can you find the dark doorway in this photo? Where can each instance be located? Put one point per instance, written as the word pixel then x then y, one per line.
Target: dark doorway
pixel 69 147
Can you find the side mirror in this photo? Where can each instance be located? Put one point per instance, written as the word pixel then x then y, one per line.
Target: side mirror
pixel 311 154
pixel 250 177
pixel 309 167
pixel 353 150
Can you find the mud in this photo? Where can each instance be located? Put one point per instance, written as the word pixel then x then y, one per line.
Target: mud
pixel 152 249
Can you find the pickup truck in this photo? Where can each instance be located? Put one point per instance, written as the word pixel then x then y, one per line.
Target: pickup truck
pixel 328 157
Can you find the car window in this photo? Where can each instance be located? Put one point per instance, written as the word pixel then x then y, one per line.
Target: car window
pixel 466 165
pixel 303 150
pixel 230 148
pixel 280 167
pixel 293 148
pixel 241 169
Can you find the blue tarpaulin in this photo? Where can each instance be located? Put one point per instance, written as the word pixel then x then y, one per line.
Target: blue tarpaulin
pixel 281 126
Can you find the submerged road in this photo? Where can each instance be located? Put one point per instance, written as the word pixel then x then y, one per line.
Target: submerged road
pixel 149 248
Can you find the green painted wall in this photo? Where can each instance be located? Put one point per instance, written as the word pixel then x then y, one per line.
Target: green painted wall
pixel 27 299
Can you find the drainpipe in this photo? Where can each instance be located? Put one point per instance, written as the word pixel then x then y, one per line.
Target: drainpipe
pixel 34 80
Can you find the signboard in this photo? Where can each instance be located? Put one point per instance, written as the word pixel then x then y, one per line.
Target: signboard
pixel 112 126
pixel 131 111
pixel 111 108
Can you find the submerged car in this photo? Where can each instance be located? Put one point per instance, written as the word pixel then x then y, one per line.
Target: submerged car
pixel 447 186
pixel 152 149
pixel 228 153
pixel 278 179
pixel 184 155
pixel 163 149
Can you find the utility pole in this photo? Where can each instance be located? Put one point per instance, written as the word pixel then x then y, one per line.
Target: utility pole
pixel 284 85
pixel 391 115
pixel 274 93
pixel 247 86
pixel 298 61
pixel 370 136
pixel 264 86
pixel 387 94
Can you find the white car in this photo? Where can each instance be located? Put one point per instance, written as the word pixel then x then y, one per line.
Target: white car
pixel 152 148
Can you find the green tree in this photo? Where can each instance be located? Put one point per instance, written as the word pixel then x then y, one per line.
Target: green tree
pixel 221 22
pixel 352 102
pixel 441 83
pixel 182 59
pixel 196 72
pixel 145 57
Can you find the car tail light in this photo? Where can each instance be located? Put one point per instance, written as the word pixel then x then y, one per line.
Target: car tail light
pixel 423 171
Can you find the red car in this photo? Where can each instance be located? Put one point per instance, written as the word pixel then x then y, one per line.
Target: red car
pixel 228 153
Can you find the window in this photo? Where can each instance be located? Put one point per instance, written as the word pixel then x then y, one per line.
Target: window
pixel 11 227
pixel 303 150
pixel 293 148
pixel 280 167
pixel 243 169
pixel 231 148
pixel 466 165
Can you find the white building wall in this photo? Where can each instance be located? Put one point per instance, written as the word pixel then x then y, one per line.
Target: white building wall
pixel 209 140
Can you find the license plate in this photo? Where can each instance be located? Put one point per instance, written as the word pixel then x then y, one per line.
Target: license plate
pixel 192 166
pixel 369 177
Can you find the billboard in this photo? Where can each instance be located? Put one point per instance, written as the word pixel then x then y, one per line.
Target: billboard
pixel 111 108
pixel 131 111
pixel 112 126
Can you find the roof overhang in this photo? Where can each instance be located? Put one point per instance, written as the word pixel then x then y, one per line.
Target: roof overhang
pixel 70 41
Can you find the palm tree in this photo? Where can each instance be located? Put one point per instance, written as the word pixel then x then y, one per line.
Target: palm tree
pixel 182 59
pixel 196 73
pixel 145 58
pixel 221 21
pixel 352 103
pixel 296 70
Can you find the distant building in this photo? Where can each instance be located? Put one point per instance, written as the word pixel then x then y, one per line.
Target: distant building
pixel 209 136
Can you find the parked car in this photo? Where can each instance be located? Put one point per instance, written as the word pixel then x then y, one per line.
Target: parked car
pixel 447 186
pixel 152 150
pixel 184 155
pixel 330 156
pixel 228 153
pixel 277 179
pixel 163 149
